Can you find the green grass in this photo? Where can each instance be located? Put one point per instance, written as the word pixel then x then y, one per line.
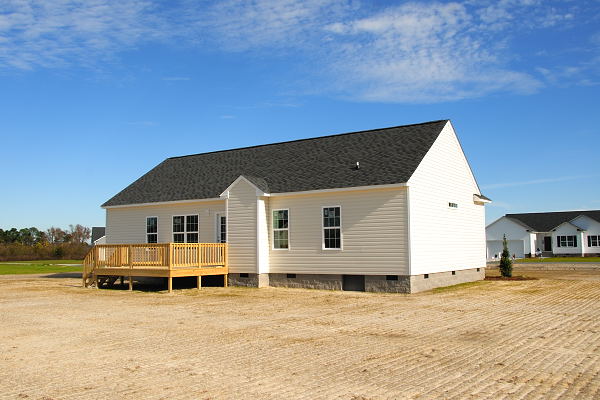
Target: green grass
pixel 558 259
pixel 39 267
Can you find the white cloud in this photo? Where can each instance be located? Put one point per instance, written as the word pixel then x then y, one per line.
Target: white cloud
pixel 60 32
pixel 176 78
pixel 412 52
pixel 421 53
pixel 241 25
pixel 536 181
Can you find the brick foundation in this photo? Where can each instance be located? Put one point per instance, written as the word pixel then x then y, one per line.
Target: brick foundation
pixel 373 283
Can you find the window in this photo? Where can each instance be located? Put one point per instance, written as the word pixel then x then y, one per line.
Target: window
pixel 594 241
pixel 151 229
pixel 391 277
pixel 291 276
pixel 185 229
pixel 566 241
pixel 332 228
pixel 281 229
pixel 221 229
pixel 452 205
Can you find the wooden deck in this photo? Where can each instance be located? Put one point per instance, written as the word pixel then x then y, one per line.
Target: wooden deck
pixel 166 260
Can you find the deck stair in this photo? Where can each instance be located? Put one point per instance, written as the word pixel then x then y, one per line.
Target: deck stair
pixel 105 263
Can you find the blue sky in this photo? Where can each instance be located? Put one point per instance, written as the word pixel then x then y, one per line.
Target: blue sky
pixel 95 93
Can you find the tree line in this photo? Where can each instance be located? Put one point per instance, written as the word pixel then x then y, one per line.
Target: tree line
pixel 30 236
pixel 53 243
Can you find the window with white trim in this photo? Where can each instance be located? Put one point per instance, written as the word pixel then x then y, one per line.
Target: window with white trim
pixel 281 224
pixel 332 228
pixel 593 240
pixel 151 229
pixel 185 228
pixel 221 228
pixel 566 241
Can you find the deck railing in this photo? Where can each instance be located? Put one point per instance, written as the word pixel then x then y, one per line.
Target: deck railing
pixel 156 256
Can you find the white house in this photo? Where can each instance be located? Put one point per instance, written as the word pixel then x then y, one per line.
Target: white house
pixel 98 235
pixel 395 209
pixel 572 233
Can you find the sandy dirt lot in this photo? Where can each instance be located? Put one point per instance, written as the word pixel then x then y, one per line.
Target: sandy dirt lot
pixel 519 340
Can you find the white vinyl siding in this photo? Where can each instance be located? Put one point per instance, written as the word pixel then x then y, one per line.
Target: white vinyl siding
pixel 444 177
pixel 241 221
pixel 592 230
pixel 570 239
pixel 128 224
pixel 374 227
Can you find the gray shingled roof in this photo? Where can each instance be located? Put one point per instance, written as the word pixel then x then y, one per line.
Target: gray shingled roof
pixel 544 222
pixel 98 232
pixel 386 156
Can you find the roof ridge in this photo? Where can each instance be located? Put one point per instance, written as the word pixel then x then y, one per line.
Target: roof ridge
pixel 553 212
pixel 306 139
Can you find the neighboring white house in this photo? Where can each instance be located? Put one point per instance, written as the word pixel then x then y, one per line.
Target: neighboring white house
pixel 98 235
pixel 395 209
pixel 575 233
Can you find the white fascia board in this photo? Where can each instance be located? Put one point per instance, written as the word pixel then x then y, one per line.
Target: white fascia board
pixel 160 203
pixel 478 199
pixel 514 221
pixel 225 193
pixel 346 189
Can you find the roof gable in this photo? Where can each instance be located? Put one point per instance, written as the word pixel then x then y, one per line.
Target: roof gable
pixel 545 222
pixel 386 156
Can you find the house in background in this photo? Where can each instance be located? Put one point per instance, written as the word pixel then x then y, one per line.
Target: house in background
pixel 565 233
pixel 395 209
pixel 98 235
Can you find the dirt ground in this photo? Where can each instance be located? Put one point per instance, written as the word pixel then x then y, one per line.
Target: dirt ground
pixel 519 340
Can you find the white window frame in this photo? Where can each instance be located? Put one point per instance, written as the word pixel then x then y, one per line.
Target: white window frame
pixel 185 231
pixel 323 230
pixel 597 239
pixel 218 227
pixel 282 229
pixel 146 228
pixel 566 242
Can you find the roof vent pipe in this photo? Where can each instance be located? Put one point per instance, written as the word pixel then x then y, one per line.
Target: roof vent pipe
pixel 358 165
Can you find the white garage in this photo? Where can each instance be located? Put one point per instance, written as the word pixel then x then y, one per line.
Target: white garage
pixel 515 247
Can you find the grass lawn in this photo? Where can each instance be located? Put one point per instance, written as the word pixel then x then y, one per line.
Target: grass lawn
pixel 558 259
pixel 39 266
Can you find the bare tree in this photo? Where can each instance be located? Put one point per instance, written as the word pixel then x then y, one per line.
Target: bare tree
pixel 55 235
pixel 79 233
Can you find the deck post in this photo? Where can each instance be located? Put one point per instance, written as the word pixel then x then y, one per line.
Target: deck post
pixel 129 256
pixel 225 280
pixel 199 281
pixel 170 284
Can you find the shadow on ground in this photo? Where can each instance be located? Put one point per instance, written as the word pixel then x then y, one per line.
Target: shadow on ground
pixel 147 284
pixel 62 275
